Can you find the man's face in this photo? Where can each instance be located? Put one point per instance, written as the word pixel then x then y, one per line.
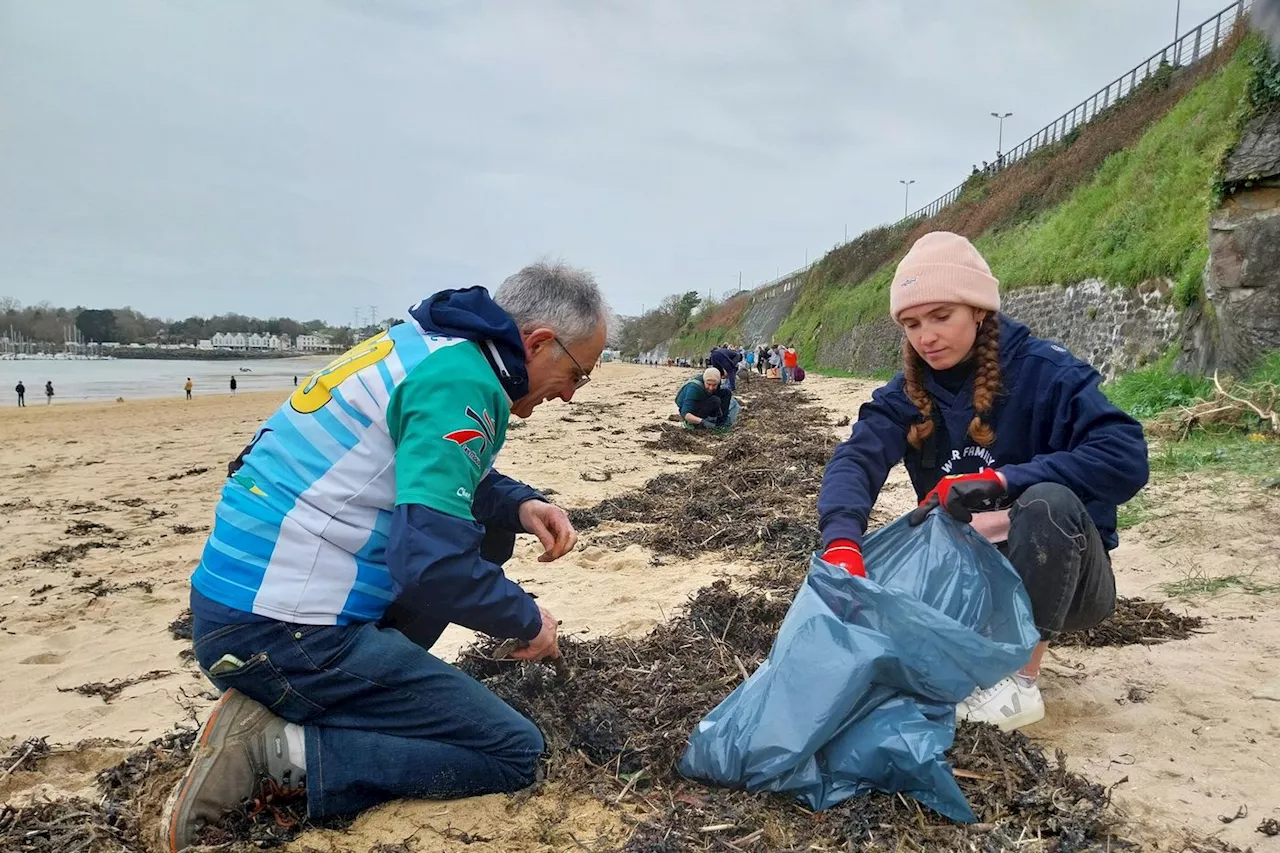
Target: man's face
pixel 556 368
pixel 711 385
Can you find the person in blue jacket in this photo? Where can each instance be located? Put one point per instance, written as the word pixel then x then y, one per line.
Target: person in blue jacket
pixel 362 519
pixel 1000 429
pixel 726 359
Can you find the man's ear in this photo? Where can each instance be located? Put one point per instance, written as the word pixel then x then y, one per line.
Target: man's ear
pixel 536 339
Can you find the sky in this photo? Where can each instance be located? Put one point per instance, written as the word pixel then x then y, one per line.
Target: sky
pixel 319 158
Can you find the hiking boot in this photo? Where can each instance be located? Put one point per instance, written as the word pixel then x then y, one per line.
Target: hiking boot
pixel 239 745
pixel 1008 704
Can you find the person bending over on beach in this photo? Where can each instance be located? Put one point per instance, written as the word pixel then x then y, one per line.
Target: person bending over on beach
pixel 999 428
pixel 726 359
pixel 704 402
pixel 361 520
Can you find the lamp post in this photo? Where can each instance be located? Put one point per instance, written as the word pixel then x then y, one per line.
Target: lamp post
pixel 1177 26
pixel 906 196
pixel 1000 137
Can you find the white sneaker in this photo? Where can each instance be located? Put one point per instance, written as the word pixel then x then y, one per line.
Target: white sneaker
pixel 1007 704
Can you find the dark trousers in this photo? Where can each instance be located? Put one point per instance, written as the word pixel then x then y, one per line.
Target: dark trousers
pixel 383 717
pixel 708 407
pixel 22 401
pixel 1056 548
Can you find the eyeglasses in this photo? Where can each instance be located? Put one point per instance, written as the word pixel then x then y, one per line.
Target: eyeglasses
pixel 583 376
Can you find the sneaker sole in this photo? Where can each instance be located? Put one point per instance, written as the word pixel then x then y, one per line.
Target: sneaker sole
pixel 178 795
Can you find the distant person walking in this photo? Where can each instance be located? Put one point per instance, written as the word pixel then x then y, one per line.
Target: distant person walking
pixel 22 394
pixel 48 393
pixel 189 386
pixel 295 382
pixel 233 386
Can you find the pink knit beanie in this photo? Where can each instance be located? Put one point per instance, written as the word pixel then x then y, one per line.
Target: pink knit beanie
pixel 943 267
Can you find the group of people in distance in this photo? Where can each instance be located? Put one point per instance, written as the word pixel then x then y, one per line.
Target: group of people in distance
pixel 707 400
pixel 365 516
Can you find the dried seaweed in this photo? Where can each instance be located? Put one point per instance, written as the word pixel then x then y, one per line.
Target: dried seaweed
pixel 108 690
pixel 1135 622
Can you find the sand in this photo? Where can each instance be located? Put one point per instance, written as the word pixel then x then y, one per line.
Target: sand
pixel 1194 746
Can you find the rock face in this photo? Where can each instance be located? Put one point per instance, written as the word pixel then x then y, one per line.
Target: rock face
pixel 1240 320
pixel 769 307
pixel 1113 328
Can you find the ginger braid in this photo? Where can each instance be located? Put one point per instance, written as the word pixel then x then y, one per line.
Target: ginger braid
pixel 986 386
pixel 913 373
pixel 986 379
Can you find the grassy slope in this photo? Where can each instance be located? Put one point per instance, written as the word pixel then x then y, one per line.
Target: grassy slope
pixel 1142 215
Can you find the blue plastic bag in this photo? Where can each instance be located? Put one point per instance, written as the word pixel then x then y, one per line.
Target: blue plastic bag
pixel 859 690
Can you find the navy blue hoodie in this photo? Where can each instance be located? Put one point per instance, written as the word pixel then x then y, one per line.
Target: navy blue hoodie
pixel 1052 425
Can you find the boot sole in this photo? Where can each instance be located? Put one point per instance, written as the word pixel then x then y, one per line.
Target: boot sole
pixel 208 734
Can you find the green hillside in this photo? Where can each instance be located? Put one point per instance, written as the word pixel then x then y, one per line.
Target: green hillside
pixel 1124 199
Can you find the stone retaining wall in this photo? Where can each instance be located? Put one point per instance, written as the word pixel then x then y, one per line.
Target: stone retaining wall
pixel 1113 328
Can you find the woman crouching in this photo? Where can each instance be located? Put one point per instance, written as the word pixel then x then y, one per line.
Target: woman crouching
pixel 1004 430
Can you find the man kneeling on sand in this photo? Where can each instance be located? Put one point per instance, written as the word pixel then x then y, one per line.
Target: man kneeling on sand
pixel 704 402
pixel 362 519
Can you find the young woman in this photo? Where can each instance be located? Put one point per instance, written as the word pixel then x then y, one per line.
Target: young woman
pixel 1003 430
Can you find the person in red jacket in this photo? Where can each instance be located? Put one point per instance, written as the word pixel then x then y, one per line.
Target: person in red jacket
pixel 1000 429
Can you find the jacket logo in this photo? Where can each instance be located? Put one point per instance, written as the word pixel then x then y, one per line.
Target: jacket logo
pixel 483 431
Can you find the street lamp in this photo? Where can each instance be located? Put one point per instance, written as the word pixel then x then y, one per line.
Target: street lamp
pixel 1000 138
pixel 906 195
pixel 1177 25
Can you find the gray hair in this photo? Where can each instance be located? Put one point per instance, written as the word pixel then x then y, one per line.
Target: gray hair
pixel 556 296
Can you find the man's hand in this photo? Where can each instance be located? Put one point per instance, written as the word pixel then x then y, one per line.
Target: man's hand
pixel 961 494
pixel 546 644
pixel 552 527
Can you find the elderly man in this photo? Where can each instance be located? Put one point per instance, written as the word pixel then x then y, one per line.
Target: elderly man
pixel 374 484
pixel 704 402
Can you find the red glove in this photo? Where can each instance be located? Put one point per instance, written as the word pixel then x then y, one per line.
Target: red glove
pixel 961 494
pixel 847 555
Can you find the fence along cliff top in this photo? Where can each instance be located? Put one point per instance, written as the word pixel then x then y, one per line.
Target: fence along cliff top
pixel 1188 49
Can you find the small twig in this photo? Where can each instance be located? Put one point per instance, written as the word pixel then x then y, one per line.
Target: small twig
pixel 18 763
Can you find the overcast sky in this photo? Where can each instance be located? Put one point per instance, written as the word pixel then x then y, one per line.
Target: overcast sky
pixel 303 157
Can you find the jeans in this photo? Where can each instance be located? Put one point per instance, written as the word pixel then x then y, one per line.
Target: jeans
pixel 786 375
pixel 383 717
pixel 1066 570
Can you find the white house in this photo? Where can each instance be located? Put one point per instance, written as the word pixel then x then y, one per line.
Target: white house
pixel 229 340
pixel 313 343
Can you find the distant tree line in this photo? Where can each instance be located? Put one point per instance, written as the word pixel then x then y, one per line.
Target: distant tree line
pixel 643 333
pixel 48 324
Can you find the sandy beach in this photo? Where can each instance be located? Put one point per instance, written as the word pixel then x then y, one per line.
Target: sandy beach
pixel 106 506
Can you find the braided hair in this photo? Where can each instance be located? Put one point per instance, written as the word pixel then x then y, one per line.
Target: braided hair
pixel 986 386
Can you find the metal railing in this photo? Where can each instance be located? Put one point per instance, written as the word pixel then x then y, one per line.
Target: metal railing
pixel 1188 49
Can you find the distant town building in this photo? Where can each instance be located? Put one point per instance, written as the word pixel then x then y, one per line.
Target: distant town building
pixel 314 343
pixel 246 341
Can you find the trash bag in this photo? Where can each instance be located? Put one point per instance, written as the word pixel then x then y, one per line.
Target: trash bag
pixel 798 374
pixel 859 690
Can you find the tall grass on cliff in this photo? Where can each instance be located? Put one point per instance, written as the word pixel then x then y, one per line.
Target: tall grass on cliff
pixel 1144 214
pixel 1142 179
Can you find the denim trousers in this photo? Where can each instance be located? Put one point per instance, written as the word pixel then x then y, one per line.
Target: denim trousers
pixel 1058 552
pixel 383 717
